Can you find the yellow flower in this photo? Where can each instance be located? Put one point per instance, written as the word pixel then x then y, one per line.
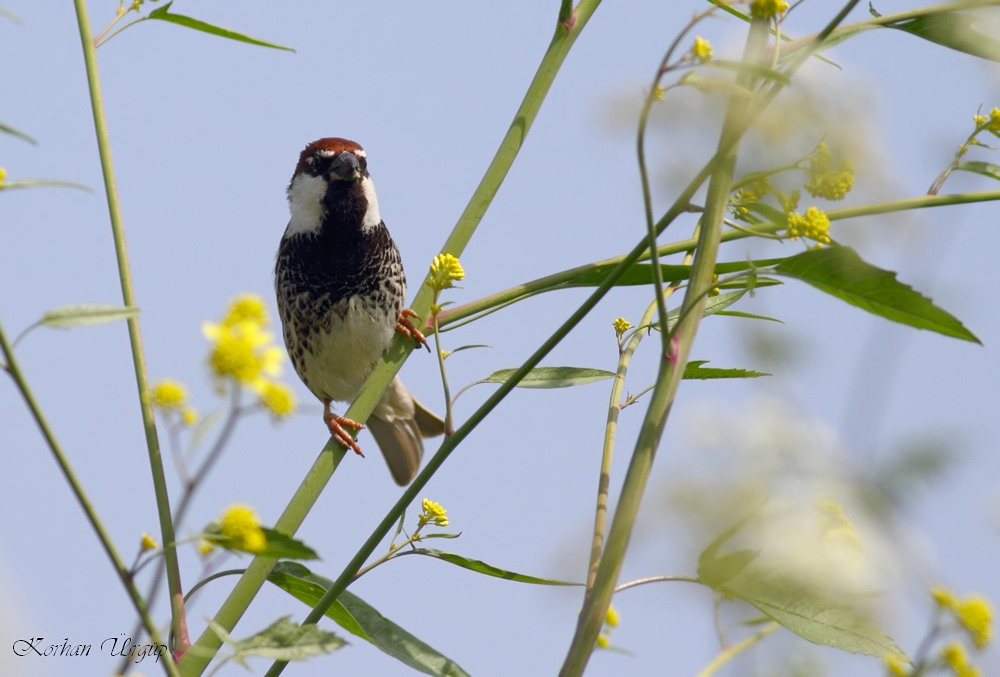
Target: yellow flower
pixel 246 308
pixel 433 512
pixel 611 618
pixel 148 543
pixel 993 125
pixel 169 395
pixel 603 642
pixel 242 352
pixel 621 326
pixel 896 665
pixel 240 530
pixel 975 614
pixel 826 180
pixel 953 655
pixel 445 269
pixel 205 547
pixel 945 598
pixel 660 93
pixel 815 225
pixel 278 399
pixel 702 48
pixel 3 174
pixel 189 416
pixel 765 9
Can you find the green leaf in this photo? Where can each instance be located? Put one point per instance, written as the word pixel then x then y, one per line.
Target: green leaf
pixel 694 370
pixel 839 271
pixel 985 168
pixel 42 183
pixel 750 316
pixel 953 30
pixel 163 14
pixel 712 306
pixel 488 569
pixel 642 273
pixel 551 377
pixel 81 315
pixel 281 545
pixel 7 129
pixel 713 569
pixel 807 612
pixel 357 617
pixel 283 640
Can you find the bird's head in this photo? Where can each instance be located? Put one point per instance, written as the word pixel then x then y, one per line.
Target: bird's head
pixel 331 186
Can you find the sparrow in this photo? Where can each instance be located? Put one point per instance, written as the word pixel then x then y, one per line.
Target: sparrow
pixel 340 287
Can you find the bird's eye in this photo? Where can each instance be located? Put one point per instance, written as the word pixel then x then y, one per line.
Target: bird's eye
pixel 363 162
pixel 320 163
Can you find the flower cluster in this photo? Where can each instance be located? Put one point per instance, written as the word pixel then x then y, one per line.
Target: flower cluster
pixel 702 49
pixel 170 397
pixel 765 9
pixel 973 613
pixel 829 180
pixel 610 623
pixel 238 529
pixel 445 269
pixel 813 225
pixel 621 326
pixel 432 513
pixel 990 123
pixel 244 353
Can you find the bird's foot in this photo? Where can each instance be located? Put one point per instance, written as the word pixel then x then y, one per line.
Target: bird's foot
pixel 407 329
pixel 339 432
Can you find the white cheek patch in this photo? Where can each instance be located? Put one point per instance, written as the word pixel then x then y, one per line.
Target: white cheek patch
pixel 372 216
pixel 305 201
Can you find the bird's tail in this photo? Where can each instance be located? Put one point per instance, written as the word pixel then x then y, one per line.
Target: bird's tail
pixel 398 423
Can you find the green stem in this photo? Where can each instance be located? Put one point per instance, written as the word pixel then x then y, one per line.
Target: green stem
pixel 607 454
pixel 117 563
pixel 671 368
pixel 178 624
pixel 449 422
pixel 731 652
pixel 208 643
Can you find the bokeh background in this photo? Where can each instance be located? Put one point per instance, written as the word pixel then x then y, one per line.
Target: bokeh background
pixel 897 425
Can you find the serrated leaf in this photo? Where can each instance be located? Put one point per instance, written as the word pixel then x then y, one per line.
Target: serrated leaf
pixel 695 370
pixel 552 377
pixel 85 314
pixel 163 14
pixel 283 640
pixel 839 271
pixel 357 617
pixel 953 30
pixel 809 613
pixel 714 572
pixel 481 567
pixel 985 168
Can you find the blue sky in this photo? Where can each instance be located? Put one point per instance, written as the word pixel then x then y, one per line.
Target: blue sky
pixel 205 135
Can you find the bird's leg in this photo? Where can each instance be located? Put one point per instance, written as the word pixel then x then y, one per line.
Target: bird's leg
pixel 338 432
pixel 407 329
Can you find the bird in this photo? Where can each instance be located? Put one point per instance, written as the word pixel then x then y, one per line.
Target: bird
pixel 340 289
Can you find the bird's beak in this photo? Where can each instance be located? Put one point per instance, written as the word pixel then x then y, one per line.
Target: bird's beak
pixel 345 167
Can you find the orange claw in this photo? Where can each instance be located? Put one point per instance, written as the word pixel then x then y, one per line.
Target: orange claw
pixel 406 328
pixel 338 432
